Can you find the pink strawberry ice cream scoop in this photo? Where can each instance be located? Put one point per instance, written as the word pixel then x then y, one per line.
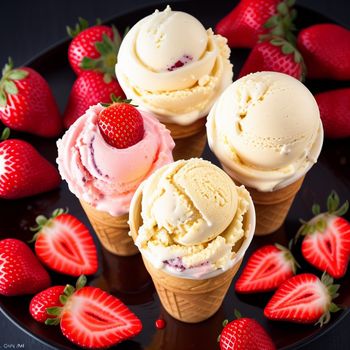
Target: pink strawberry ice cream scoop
pixel 104 176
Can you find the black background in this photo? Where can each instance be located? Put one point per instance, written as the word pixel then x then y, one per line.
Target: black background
pixel 29 27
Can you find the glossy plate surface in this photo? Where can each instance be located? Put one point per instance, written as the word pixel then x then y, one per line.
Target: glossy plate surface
pixel 126 278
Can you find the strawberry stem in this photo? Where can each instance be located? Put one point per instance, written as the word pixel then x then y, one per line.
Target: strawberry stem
pixel 117 99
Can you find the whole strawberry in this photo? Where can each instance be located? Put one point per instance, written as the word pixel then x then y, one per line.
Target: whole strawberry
pixel 326 243
pixel 245 334
pixel 243 25
pixel 89 89
pixel 64 244
pixel 326 51
pixel 95 46
pixel 27 103
pixel 23 171
pixel 21 272
pixel 121 124
pixel 267 268
pixel 335 112
pixel 49 297
pixel 276 55
pixel 303 298
pixel 92 318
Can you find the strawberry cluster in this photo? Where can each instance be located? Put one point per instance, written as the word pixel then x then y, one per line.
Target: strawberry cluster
pixel 320 51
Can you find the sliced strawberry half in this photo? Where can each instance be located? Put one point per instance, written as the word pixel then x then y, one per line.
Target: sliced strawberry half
pixel 303 298
pixel 95 319
pixel 65 245
pixel 92 318
pixel 327 238
pixel 266 269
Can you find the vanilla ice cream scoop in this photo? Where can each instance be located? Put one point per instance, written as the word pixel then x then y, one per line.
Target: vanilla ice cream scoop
pixel 192 201
pixel 169 64
pixel 190 219
pixel 266 130
pixel 169 40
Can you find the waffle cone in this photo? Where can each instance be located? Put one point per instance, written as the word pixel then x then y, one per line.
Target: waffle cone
pixel 272 208
pixel 185 299
pixel 189 140
pixel 112 231
pixel 191 300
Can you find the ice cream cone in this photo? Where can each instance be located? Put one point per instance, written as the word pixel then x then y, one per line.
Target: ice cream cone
pixel 112 231
pixel 187 299
pixel 271 208
pixel 189 140
pixel 190 300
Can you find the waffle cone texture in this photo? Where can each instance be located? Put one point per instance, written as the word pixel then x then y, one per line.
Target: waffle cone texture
pixel 112 231
pixel 271 208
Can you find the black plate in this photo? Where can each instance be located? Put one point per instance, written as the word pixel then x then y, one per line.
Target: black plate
pixel 126 278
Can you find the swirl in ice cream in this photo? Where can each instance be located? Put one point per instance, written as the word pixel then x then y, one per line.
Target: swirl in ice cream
pixel 169 64
pixel 194 219
pixel 104 176
pixel 266 130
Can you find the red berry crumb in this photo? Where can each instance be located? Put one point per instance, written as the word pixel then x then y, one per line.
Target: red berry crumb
pixel 160 323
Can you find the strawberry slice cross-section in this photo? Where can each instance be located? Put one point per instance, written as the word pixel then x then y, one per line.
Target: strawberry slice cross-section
pixel 95 319
pixel 65 245
pixel 303 298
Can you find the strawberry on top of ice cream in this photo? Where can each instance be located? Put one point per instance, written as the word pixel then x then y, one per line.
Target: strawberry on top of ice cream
pixel 109 151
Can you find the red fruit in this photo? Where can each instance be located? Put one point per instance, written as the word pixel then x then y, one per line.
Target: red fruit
pixel 121 125
pixel 335 112
pixel 160 323
pixel 89 89
pixel 326 51
pixel 98 43
pixel 277 55
pixel 327 238
pixel 47 298
pixel 245 334
pixel 243 25
pixel 92 318
pixel 266 269
pixel 20 271
pixel 303 298
pixel 27 103
pixel 23 171
pixel 65 245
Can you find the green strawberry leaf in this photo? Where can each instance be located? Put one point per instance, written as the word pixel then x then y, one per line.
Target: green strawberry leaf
pixel 277 42
pixel 287 48
pixel 17 74
pixel 282 8
pixel 52 321
pixel 316 209
pixel 5 134
pixel 3 99
pixel 10 87
pixel 54 311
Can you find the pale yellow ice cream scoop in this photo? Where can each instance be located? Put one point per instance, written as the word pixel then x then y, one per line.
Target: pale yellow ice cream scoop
pixel 266 130
pixel 166 42
pixel 192 201
pixel 168 63
pixel 196 222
